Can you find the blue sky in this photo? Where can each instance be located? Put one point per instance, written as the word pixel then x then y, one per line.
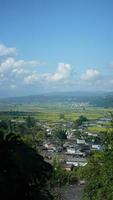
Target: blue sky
pixel 58 45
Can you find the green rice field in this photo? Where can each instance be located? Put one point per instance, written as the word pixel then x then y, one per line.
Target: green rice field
pixel 52 112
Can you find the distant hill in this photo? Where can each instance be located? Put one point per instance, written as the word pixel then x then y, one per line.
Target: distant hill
pixel 100 99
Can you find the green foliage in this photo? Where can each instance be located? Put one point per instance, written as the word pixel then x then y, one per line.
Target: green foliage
pixel 22 129
pixel 80 120
pixel 77 133
pixel 60 134
pixel 30 121
pixel 62 177
pixel 62 116
pixel 98 173
pixel 41 135
pixel 4 124
pixel 28 139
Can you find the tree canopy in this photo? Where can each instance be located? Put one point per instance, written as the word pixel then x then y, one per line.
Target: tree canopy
pixel 80 120
pixel 98 173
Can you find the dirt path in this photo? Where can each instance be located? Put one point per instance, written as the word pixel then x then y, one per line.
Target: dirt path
pixel 73 192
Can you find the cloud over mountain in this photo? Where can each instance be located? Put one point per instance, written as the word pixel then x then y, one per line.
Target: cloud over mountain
pixel 63 72
pixel 90 74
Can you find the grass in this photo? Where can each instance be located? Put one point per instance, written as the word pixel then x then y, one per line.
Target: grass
pixel 97 129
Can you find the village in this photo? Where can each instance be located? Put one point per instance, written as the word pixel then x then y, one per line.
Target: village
pixel 75 145
pixel 67 141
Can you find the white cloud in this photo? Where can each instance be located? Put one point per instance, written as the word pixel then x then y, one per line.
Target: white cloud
pixel 17 65
pixel 14 71
pixel 6 51
pixel 8 64
pixel 90 74
pixel 19 71
pixel 31 79
pixel 63 72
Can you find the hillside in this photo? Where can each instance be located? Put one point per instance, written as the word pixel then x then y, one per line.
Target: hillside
pixel 101 99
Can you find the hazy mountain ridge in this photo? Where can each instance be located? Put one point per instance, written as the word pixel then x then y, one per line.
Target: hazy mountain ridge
pixel 102 99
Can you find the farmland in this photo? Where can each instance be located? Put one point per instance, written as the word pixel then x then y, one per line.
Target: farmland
pixel 61 107
pixel 52 112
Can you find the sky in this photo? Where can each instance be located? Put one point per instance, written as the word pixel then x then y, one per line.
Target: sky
pixel 55 45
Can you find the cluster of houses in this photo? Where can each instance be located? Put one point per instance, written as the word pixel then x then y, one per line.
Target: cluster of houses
pixel 72 151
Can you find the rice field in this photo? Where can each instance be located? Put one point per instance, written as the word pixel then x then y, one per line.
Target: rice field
pixel 52 112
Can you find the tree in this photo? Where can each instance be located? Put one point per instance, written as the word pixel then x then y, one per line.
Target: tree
pixel 61 116
pixel 23 173
pixel 4 125
pixel 60 134
pixel 80 120
pixel 31 122
pixel 61 177
pixel 99 172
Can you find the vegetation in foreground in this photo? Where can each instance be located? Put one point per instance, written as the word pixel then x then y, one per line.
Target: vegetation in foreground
pixel 24 173
pixel 98 173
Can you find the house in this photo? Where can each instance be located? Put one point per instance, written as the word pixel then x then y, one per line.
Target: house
pixel 69 143
pixel 80 153
pixel 13 120
pixel 75 151
pixel 85 124
pixel 85 149
pixel 21 121
pixel 77 162
pixel 49 131
pixel 81 141
pixel 74 163
pixel 97 147
pixel 50 147
pixel 68 167
pixel 104 119
pixel 71 136
pixel 71 150
pixel 91 134
pixel 81 182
